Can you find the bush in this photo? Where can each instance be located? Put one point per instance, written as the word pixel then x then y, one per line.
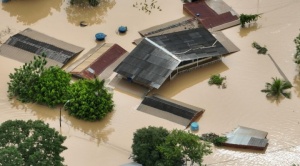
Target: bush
pixel 297 54
pixel 89 100
pixel 247 18
pixel 213 138
pixel 216 79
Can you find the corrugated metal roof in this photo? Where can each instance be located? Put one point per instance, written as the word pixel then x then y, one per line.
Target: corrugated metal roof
pixel 98 61
pixel 191 44
pixel 147 65
pixel 170 110
pixel 38 43
pixel 154 59
pixel 23 56
pixel 245 137
pixel 212 13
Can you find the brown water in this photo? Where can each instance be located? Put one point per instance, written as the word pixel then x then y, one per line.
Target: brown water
pixel 108 142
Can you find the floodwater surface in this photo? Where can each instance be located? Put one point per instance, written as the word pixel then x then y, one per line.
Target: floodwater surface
pixel 108 142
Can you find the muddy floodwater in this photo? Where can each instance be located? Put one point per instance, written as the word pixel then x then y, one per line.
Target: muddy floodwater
pixel 108 142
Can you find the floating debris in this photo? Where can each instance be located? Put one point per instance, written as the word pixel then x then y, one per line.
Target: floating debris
pixel 83 23
pixel 147 6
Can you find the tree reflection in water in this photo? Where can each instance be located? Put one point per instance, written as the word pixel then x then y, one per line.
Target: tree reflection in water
pixel 31 11
pixel 90 15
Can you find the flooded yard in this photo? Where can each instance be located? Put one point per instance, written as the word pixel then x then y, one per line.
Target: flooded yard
pixel 108 142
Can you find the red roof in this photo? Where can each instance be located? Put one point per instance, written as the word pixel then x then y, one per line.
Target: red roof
pixel 207 16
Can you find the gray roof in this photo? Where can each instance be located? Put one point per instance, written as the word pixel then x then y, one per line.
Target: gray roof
pixel 191 44
pixel 154 59
pixel 37 43
pixel 172 110
pixel 147 64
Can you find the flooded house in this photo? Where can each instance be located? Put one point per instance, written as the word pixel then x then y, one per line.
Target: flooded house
pixel 162 57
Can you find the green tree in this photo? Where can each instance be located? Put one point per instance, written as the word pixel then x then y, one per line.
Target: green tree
pixel 277 88
pixel 247 18
pixel 89 100
pixel 260 49
pixel 145 143
pixel 10 156
pixel 51 87
pixel 181 146
pixel 155 146
pixel 23 80
pixel 35 142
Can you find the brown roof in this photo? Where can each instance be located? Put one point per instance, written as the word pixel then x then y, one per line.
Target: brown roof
pixel 210 18
pixel 98 61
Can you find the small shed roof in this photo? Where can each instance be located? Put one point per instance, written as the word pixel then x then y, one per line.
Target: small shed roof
pixel 37 43
pixel 170 109
pixel 245 137
pixel 94 63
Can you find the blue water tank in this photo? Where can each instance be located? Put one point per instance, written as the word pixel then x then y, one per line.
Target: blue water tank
pixel 100 36
pixel 122 29
pixel 194 126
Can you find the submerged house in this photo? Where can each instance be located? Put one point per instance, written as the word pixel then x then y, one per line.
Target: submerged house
pixel 214 15
pixel 158 58
pixel 98 61
pixel 26 44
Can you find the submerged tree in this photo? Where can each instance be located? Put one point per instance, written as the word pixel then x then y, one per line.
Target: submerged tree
pixel 260 49
pixel 247 18
pixel 297 54
pixel 89 100
pixel 33 82
pixel 23 80
pixel 216 79
pixel 181 146
pixel 145 143
pixel 156 146
pixel 51 88
pixel 30 143
pixel 277 88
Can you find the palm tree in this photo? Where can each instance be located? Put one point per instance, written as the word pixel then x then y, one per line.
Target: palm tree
pixel 277 88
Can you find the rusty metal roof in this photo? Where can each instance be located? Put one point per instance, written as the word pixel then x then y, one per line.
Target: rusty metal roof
pixel 36 43
pixel 98 61
pixel 213 15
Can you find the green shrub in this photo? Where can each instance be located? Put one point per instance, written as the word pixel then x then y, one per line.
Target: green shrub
pixel 297 54
pixel 51 88
pixel 216 79
pixel 214 138
pixel 89 100
pixel 23 80
pixel 247 18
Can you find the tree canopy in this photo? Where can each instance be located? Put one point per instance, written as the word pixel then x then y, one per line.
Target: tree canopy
pixel 247 18
pixel 155 146
pixel 89 100
pixel 30 143
pixel 33 82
